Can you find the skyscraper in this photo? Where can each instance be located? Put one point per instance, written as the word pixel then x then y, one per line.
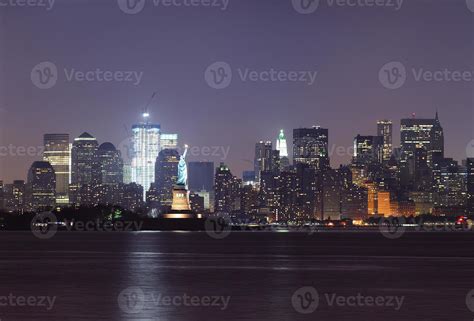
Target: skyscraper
pixel 110 163
pixel 421 133
pixel 227 190
pixel 168 141
pixel 14 196
pixel 146 147
pixel 282 147
pixel 41 186
pixel 84 160
pixel 2 199
pixel 166 175
pixel 263 158
pixel 201 176
pixel 57 151
pixel 310 146
pixel 470 185
pixel 385 129
pixel 368 149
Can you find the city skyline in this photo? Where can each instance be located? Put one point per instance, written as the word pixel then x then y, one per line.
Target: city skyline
pixel 159 156
pixel 347 90
pixel 338 154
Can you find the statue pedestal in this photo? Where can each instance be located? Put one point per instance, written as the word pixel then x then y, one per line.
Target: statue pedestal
pixel 181 208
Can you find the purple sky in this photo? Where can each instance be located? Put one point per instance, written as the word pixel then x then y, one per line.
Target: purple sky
pixel 173 46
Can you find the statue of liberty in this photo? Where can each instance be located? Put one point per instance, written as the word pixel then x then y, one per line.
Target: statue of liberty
pixel 183 169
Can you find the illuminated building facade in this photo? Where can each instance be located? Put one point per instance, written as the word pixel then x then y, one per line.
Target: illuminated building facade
pixel 166 175
pixel 41 186
pixel 110 163
pixel 14 196
pixel 146 147
pixel 84 160
pixel 368 149
pixel 310 146
pixel 421 133
pixel 470 184
pixel 282 148
pixel 227 190
pixel 57 151
pixel 385 130
pixel 168 141
pixel 263 158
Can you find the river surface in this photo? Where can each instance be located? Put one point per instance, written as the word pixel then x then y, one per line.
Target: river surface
pixel 178 276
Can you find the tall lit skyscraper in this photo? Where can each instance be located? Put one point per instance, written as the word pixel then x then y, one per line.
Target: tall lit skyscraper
pixel 57 151
pixel 227 188
pixel 385 129
pixel 84 160
pixel 310 146
pixel 110 164
pixel 282 147
pixel 422 133
pixel 166 175
pixel 368 149
pixel 263 158
pixel 146 147
pixel 41 186
pixel 470 185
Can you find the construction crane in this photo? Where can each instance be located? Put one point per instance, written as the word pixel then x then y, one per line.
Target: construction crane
pixel 146 113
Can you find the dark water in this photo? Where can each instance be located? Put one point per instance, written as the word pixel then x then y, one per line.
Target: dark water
pixel 89 274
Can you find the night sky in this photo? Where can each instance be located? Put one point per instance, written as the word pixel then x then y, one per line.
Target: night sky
pixel 173 46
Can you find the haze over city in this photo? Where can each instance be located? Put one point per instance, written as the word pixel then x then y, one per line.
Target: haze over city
pixel 347 46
